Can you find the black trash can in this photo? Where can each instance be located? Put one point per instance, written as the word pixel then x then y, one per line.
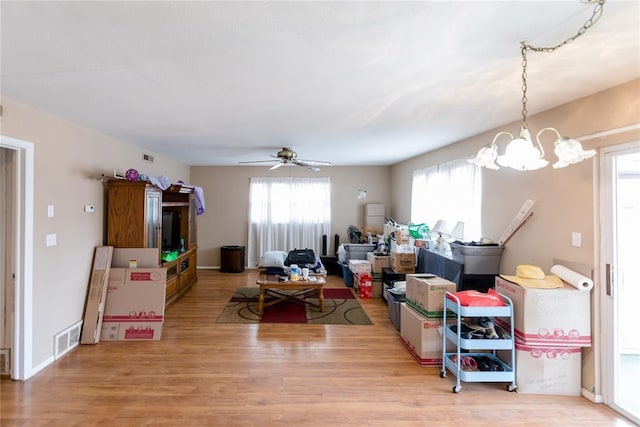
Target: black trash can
pixel 232 259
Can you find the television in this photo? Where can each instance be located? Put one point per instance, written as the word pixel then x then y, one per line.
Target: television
pixel 170 230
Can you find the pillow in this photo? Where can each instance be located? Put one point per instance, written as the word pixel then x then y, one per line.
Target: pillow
pixel 273 259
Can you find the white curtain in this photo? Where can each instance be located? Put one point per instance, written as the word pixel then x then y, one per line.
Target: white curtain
pixel 450 191
pixel 287 213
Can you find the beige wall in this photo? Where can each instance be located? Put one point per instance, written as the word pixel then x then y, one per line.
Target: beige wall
pixel 226 189
pixel 68 160
pixel 566 200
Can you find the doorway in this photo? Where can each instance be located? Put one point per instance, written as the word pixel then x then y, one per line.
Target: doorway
pixel 620 189
pixel 16 252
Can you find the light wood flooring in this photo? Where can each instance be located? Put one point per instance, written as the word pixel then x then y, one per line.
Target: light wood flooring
pixel 207 374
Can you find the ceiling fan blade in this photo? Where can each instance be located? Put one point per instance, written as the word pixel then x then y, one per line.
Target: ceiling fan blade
pixel 277 165
pixel 314 162
pixel 259 161
pixel 305 164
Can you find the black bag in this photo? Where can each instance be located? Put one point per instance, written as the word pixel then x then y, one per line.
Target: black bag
pixel 300 257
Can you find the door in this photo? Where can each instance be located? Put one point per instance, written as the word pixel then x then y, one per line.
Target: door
pixel 620 188
pixel 6 256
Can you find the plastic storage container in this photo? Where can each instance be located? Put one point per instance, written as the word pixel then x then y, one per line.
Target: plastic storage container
pixel 393 304
pixel 357 250
pixel 347 275
pixel 478 259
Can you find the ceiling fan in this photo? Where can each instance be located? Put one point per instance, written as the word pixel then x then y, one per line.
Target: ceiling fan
pixel 287 156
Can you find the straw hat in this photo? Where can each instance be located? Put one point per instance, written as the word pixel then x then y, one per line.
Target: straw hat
pixel 532 276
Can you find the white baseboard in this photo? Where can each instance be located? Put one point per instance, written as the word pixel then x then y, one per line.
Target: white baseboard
pixel 41 366
pixel 595 398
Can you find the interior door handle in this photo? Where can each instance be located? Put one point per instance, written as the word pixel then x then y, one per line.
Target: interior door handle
pixel 609 279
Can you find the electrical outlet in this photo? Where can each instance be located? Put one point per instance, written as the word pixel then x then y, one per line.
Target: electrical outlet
pixel 89 208
pixel 50 211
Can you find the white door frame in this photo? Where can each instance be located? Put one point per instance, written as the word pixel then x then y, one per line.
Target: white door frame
pixel 607 316
pixel 21 354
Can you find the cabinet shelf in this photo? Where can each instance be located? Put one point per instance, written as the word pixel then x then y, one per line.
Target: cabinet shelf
pixel 478 343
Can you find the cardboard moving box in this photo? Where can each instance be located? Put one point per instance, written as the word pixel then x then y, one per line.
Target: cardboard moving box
pixel 378 262
pixel 554 317
pixel 97 295
pixel 425 293
pixel 403 262
pixel 547 370
pixel 422 336
pixel 135 304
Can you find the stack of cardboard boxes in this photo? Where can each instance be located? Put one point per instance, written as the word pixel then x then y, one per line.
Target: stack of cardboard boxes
pixel 373 219
pixel 378 262
pixel 362 283
pixel 403 252
pixel 421 317
pixel 551 327
pixel 125 304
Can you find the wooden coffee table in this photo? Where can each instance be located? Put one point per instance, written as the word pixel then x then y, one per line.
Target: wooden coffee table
pixel 278 287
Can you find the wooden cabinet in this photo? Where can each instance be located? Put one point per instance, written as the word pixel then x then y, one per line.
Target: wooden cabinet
pixel 134 215
pixel 141 215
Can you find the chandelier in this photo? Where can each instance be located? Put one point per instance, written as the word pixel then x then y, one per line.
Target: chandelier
pixel 521 153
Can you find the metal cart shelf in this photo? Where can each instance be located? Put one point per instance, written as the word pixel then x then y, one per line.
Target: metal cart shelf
pixel 452 361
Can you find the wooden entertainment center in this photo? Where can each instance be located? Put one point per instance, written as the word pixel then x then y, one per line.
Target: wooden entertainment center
pixel 135 220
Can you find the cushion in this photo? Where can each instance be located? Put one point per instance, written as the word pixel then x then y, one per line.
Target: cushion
pixel 273 259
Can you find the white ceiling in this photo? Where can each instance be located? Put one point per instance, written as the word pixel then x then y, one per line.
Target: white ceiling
pixel 354 83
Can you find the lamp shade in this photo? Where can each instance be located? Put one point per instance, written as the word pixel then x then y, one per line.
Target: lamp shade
pixel 569 151
pixel 458 231
pixel 440 228
pixel 522 155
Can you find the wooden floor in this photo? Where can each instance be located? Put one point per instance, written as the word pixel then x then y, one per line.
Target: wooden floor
pixel 207 374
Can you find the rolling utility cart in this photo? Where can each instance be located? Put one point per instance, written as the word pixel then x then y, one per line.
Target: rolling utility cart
pixel 463 364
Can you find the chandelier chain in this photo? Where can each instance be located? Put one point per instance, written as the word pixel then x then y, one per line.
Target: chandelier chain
pixel 595 16
pixel 524 85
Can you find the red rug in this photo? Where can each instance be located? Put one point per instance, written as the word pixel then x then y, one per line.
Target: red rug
pixel 341 308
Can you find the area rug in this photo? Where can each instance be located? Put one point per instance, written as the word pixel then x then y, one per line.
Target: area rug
pixel 341 308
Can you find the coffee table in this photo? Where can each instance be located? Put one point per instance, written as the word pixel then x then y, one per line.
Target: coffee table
pixel 278 285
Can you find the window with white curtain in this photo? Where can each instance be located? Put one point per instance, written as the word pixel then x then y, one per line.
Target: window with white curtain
pixel 450 191
pixel 286 213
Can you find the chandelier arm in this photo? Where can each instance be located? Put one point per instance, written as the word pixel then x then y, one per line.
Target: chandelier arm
pixel 546 129
pixel 495 138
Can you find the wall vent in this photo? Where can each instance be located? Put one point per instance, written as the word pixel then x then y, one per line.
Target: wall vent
pixel 66 340
pixel 147 157
pixel 5 362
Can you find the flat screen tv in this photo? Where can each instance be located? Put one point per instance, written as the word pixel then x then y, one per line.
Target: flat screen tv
pixel 170 231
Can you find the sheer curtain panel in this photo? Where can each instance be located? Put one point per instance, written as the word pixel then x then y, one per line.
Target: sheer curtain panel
pixel 450 191
pixel 286 213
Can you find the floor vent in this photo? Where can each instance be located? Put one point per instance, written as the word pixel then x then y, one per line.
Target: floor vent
pixel 5 362
pixel 66 340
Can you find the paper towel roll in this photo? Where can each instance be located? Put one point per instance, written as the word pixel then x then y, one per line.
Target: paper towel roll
pixel 576 280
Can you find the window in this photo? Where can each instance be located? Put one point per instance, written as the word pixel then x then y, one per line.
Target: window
pixel 287 213
pixel 450 191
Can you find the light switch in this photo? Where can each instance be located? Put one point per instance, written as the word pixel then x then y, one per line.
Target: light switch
pixel 50 211
pixel 576 239
pixel 51 240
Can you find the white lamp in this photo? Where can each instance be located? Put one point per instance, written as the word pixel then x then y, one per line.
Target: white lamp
pixel 439 230
pixel 458 231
